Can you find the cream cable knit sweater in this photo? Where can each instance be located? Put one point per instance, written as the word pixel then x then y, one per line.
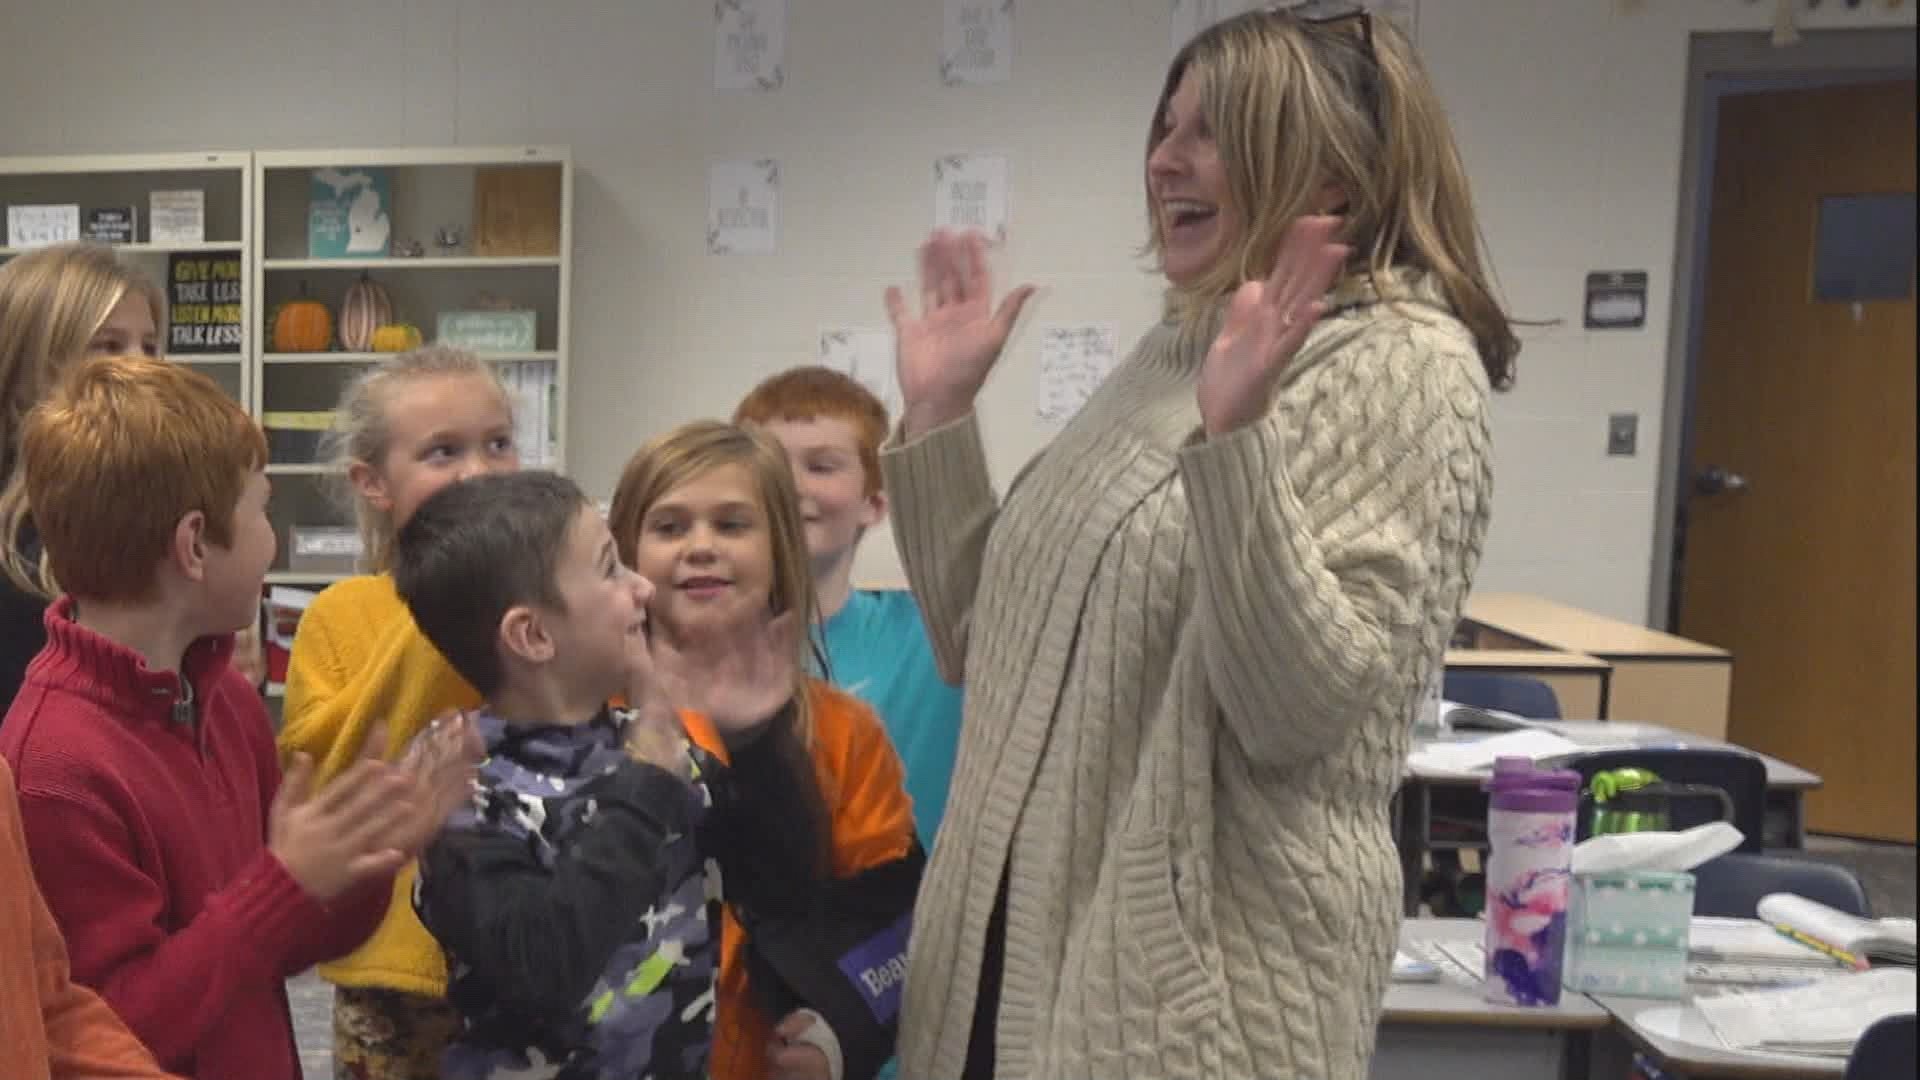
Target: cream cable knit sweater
pixel 1190 669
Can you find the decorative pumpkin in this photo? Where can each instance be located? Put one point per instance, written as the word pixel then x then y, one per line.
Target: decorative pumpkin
pixel 366 309
pixel 302 325
pixel 396 337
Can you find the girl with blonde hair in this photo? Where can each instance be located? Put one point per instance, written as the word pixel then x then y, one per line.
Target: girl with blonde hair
pixel 361 671
pixel 59 305
pixel 1193 633
pixel 818 856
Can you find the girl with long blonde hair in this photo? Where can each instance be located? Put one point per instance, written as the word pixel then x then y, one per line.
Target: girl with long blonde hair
pixel 816 843
pixel 58 305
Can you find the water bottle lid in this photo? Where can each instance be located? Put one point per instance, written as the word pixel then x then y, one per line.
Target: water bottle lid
pixel 1517 779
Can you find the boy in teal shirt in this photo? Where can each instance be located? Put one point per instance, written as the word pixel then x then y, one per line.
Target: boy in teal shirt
pixel 875 643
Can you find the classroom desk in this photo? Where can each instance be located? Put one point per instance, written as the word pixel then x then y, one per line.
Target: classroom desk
pixel 1787 786
pixel 1681 1043
pixel 1443 1030
pixel 1655 678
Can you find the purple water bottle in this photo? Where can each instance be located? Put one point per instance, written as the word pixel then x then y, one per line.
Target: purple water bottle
pixel 1530 816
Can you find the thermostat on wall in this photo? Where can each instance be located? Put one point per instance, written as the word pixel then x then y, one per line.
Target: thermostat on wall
pixel 1616 299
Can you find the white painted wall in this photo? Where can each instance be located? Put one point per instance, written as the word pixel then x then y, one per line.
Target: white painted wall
pixel 1569 112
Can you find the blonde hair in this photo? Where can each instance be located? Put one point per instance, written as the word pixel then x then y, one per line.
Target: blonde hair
pixel 677 457
pixel 51 302
pixel 1294 106
pixel 361 434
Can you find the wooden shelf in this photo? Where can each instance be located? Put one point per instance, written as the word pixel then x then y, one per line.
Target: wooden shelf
pixel 430 262
pixel 206 359
pixel 274 469
pixel 372 357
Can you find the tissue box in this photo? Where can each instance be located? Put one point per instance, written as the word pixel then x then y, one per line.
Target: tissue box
pixel 1627 933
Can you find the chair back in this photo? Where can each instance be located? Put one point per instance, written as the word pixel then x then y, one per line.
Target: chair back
pixel 1731 886
pixel 1887 1050
pixel 1521 695
pixel 1708 772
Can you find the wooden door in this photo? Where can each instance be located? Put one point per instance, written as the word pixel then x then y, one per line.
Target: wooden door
pixel 1799 532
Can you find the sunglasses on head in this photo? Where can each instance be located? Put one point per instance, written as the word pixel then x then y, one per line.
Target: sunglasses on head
pixel 1330 14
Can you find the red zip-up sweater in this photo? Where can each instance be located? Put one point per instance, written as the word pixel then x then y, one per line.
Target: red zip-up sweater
pixel 147 828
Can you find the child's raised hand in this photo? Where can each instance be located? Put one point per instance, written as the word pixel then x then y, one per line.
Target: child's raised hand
pixel 738 683
pixel 440 764
pixel 333 839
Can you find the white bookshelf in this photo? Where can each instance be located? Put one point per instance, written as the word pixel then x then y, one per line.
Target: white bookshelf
pixel 101 180
pixel 430 188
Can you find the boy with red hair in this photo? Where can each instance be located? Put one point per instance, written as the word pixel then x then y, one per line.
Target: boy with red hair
pixel 875 643
pixel 188 879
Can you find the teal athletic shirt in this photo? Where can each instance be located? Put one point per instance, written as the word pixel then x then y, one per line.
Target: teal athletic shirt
pixel 877 650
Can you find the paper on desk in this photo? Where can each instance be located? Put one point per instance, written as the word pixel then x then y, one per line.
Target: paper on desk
pixel 1669 851
pixel 1478 755
pixel 1825 1018
pixel 1749 940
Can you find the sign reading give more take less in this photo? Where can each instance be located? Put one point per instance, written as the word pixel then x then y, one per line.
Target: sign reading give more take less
pixel 203 303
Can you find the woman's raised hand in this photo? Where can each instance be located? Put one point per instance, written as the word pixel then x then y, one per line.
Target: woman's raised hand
pixel 1266 323
pixel 943 354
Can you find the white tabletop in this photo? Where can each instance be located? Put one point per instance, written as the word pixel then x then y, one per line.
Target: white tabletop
pixel 1680 1037
pixel 1607 734
pixel 1456 998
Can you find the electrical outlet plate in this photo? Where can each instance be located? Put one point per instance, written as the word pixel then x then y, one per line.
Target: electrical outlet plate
pixel 1623 434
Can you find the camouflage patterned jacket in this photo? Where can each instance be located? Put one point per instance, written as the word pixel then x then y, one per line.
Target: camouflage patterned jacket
pixel 579 917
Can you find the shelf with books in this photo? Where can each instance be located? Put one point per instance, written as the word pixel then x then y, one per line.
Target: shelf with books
pixel 469 245
pixel 185 220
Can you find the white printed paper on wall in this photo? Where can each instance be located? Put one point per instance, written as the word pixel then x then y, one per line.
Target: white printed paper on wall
pixel 1074 361
pixel 750 44
pixel 743 207
pixel 866 354
pixel 970 193
pixel 976 45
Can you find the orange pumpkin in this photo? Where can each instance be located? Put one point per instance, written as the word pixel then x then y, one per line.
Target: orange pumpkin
pixel 302 325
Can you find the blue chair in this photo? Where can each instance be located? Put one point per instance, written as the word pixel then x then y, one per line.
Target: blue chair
pixel 1732 885
pixel 1740 775
pixel 1887 1050
pixel 1521 695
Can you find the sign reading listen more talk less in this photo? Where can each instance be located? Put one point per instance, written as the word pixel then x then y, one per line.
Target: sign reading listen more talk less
pixel 203 303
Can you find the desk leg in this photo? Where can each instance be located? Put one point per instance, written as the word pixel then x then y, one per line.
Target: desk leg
pixel 1413 818
pixel 1797 820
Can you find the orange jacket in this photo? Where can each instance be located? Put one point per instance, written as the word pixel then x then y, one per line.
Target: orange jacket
pixel 50 1027
pixel 872 821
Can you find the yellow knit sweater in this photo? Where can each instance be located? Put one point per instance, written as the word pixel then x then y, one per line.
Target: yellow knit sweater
pixel 358 661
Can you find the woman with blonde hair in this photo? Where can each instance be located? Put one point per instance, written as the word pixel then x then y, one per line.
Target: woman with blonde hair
pixel 1194 632
pixel 58 305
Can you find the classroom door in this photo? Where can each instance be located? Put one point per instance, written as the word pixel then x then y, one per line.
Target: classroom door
pixel 1799 522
